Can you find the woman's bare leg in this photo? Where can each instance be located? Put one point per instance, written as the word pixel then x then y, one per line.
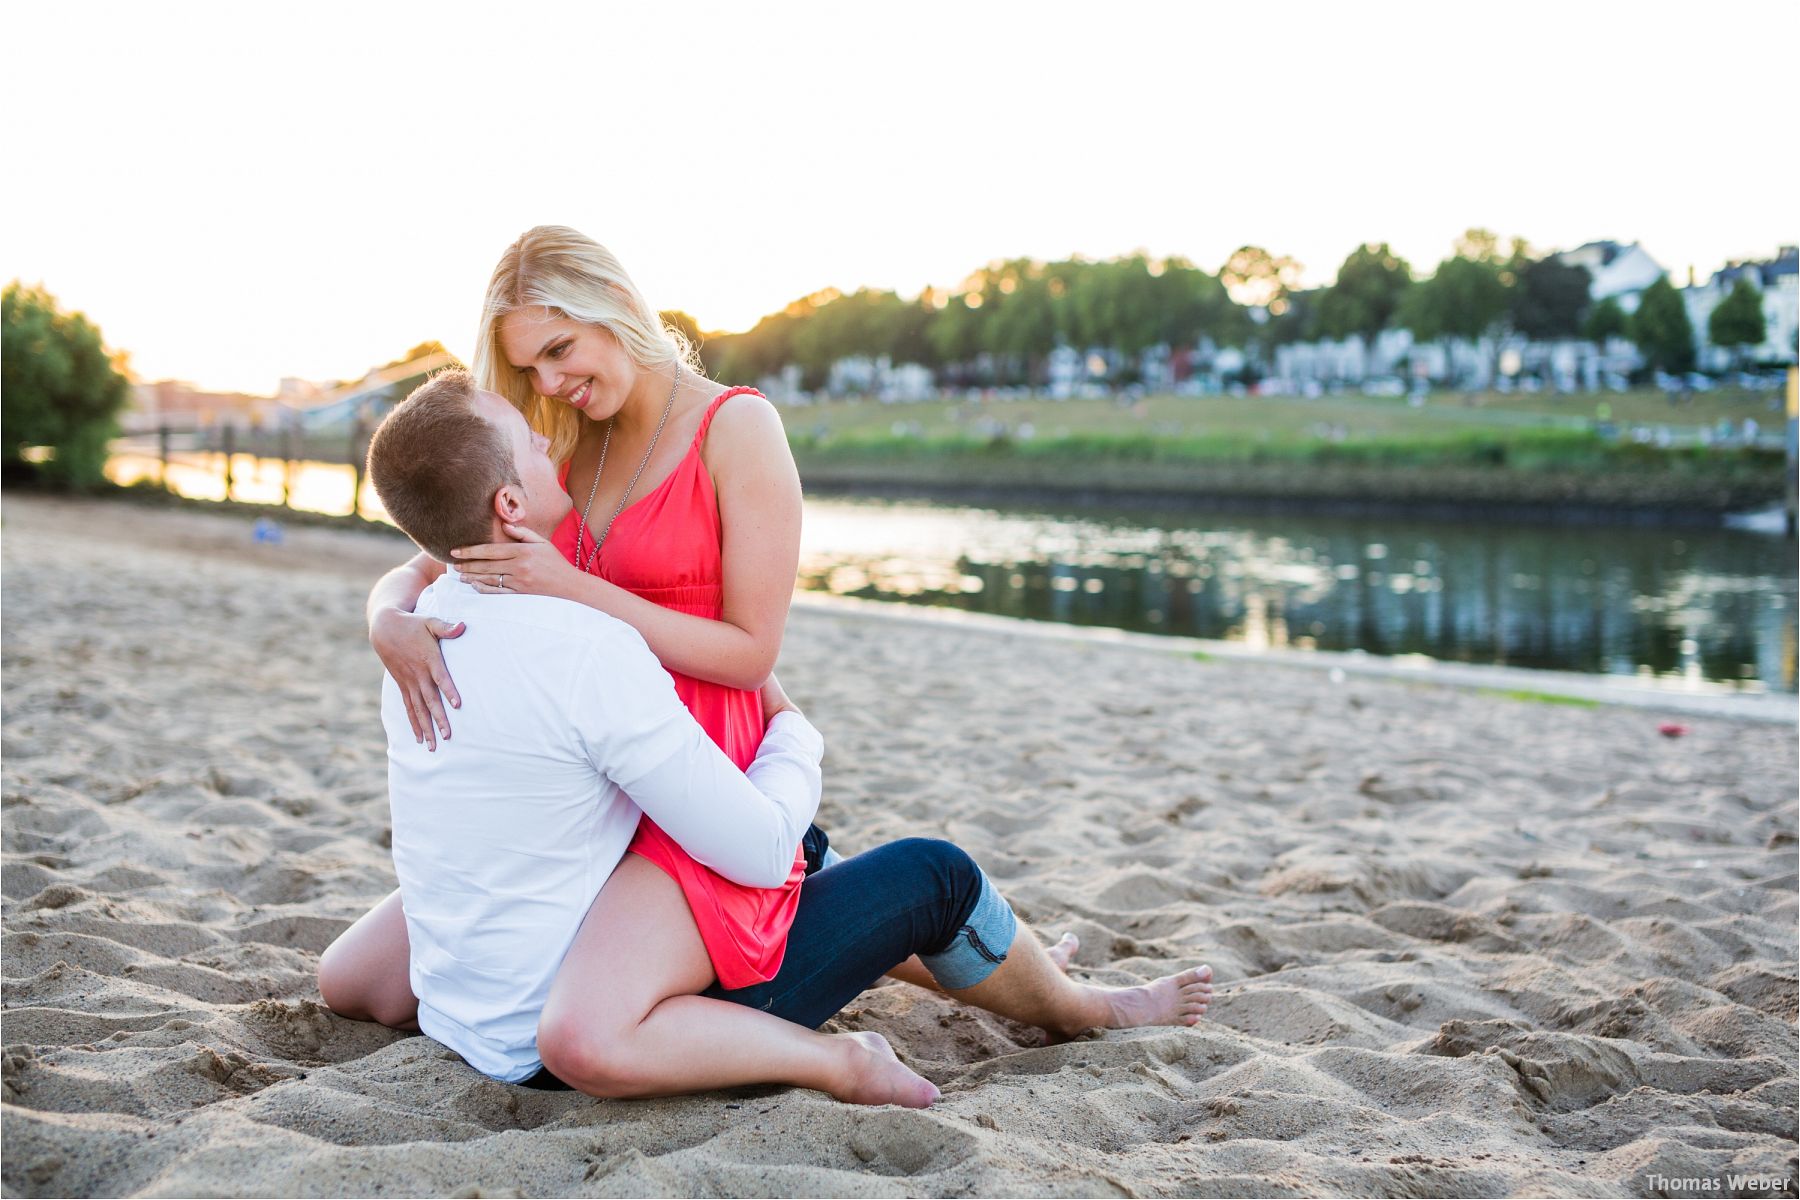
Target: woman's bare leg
pixel 622 1020
pixel 364 974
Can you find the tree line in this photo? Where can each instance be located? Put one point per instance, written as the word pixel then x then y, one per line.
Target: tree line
pixel 1001 324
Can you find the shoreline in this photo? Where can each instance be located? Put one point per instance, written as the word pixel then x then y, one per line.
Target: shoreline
pixel 1472 495
pixel 1763 518
pixel 1703 698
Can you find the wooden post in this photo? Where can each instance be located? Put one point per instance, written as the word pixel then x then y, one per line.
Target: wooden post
pixel 287 465
pixel 358 431
pixel 1793 450
pixel 162 454
pixel 230 435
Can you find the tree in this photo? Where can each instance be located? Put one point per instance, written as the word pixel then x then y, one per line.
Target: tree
pixel 58 387
pixel 1661 328
pixel 1550 298
pixel 422 350
pixel 1605 320
pixel 1367 292
pixel 1254 277
pixel 1469 295
pixel 1738 321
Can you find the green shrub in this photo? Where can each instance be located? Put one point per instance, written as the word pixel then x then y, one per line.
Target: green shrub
pixel 58 389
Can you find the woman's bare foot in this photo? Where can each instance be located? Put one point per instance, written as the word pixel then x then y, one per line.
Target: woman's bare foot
pixel 1178 999
pixel 1063 953
pixel 874 1075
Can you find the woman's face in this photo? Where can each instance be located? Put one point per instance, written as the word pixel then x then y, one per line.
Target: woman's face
pixel 581 363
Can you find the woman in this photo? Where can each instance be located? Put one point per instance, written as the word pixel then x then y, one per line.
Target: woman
pixel 686 495
pixel 686 525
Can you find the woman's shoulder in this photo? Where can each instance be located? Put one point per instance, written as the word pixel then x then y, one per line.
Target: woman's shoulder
pixel 747 446
pixel 744 423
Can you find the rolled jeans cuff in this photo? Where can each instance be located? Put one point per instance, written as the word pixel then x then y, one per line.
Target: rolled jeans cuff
pixel 979 946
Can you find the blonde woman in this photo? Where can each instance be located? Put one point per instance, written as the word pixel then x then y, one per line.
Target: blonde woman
pixel 686 525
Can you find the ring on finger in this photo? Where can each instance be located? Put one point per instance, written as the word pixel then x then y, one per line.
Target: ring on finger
pixel 503 581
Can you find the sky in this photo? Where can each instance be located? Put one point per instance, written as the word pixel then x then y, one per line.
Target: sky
pixel 241 192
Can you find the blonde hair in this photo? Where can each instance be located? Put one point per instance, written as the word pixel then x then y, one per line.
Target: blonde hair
pixel 575 277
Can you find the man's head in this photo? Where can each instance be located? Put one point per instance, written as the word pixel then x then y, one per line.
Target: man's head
pixel 452 463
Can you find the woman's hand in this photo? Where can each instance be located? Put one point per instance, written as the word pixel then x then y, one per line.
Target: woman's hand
pixel 527 566
pixel 408 647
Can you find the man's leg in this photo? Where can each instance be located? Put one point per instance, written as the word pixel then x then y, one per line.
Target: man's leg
pixel 918 974
pixel 1024 983
pixel 860 917
pixel 1031 987
pixel 621 1019
pixel 363 975
pixel 922 896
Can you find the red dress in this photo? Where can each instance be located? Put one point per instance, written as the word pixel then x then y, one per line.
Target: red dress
pixel 666 547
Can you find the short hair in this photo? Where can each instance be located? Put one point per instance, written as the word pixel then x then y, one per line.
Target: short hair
pixel 575 277
pixel 436 464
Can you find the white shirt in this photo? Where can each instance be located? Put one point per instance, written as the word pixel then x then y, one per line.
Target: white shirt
pixel 504 835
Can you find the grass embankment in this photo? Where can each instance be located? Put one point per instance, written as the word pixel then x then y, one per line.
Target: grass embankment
pixel 1473 451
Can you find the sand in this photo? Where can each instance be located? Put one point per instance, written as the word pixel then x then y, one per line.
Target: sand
pixel 1468 945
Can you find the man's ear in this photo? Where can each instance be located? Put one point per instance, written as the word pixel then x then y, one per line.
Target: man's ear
pixel 509 504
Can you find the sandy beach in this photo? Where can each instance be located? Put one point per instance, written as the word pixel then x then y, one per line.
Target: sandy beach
pixel 1467 945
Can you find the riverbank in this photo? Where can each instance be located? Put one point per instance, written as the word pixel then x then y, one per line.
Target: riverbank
pixel 1637 457
pixel 1679 490
pixel 1467 944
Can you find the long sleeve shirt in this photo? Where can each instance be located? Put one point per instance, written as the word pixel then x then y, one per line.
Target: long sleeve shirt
pixel 503 836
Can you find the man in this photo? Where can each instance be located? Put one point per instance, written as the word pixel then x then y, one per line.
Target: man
pixel 533 938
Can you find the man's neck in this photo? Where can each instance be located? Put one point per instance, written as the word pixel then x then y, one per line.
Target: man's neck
pixel 497 532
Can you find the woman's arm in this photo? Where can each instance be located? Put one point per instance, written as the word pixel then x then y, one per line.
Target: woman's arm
pixel 759 508
pixel 408 646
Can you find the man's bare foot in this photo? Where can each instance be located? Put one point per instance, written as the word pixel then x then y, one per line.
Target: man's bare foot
pixel 876 1076
pixel 1063 953
pixel 1178 999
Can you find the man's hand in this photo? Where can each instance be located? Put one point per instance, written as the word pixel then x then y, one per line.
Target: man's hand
pixel 775 701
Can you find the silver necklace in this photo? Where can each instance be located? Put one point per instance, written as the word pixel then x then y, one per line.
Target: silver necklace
pixel 581 526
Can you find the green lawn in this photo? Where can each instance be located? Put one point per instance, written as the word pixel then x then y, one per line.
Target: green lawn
pixel 1483 449
pixel 1273 421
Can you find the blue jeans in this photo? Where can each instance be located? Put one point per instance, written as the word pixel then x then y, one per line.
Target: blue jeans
pixel 861 917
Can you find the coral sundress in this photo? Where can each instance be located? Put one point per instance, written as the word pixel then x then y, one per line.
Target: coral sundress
pixel 666 547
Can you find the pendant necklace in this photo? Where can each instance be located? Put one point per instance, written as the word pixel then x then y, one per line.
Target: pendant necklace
pixel 581 525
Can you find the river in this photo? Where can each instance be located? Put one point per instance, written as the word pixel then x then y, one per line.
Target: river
pixel 1675 604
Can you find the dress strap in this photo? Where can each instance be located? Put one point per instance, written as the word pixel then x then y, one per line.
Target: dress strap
pixel 713 409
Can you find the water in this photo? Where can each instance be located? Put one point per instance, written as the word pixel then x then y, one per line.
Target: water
pixel 1682 605
pixel 1675 604
pixel 311 486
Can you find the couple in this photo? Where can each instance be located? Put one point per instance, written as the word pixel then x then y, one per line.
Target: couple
pixel 615 665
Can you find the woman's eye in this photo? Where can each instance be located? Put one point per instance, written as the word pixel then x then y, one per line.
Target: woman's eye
pixel 558 350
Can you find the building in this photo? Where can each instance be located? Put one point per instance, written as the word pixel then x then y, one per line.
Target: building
pixel 1620 272
pixel 1778 279
pixel 183 406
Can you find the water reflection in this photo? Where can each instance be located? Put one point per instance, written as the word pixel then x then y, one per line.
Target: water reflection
pixel 1710 605
pixel 311 486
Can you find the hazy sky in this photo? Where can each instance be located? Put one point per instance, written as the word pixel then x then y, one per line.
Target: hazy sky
pixel 237 192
